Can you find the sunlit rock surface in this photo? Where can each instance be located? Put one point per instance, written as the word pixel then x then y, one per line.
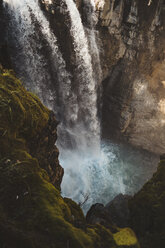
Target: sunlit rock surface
pixel 133 107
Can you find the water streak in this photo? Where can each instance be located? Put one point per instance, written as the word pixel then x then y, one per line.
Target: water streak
pixel 33 67
pixel 88 128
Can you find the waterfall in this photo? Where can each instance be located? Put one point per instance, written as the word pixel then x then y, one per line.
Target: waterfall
pixel 22 37
pixel 92 170
pixel 92 35
pixel 30 63
pixel 80 122
pixel 87 129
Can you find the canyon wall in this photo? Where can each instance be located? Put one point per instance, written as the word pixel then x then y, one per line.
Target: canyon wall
pixel 130 38
pixel 133 62
pixel 65 54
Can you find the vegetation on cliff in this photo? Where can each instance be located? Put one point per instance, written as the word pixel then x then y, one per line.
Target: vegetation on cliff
pixel 32 212
pixel 144 212
pixel 147 209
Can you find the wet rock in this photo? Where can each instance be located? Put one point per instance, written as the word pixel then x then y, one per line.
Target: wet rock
pixel 98 214
pixel 118 210
pixel 162 156
pixel 115 213
pixel 133 70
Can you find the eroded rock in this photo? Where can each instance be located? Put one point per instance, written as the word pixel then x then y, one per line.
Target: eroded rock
pixel 134 76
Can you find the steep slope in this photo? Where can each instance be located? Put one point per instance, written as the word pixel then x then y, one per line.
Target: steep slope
pixel 32 211
pixel 133 48
pixel 144 212
pixel 147 213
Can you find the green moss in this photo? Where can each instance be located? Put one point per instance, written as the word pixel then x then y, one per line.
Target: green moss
pixel 104 237
pixel 20 110
pixel 77 216
pixel 32 203
pixel 125 238
pixel 32 212
pixel 147 211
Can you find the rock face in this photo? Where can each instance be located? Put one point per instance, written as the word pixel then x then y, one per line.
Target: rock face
pixel 144 212
pixel 98 214
pixel 42 147
pixel 32 211
pixel 4 53
pixel 26 113
pixel 119 210
pixel 147 215
pixel 115 212
pixel 133 65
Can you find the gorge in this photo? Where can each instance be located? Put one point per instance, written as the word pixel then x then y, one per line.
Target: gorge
pixel 75 95
pixel 99 66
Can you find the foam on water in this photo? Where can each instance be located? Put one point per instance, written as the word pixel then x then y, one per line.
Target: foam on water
pixel 117 169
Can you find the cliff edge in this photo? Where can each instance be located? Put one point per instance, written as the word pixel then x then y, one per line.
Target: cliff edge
pixel 32 210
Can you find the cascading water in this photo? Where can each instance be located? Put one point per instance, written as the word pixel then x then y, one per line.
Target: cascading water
pixel 91 168
pixel 30 63
pixel 22 36
pixel 94 171
pixel 87 132
pixel 84 165
pixel 91 16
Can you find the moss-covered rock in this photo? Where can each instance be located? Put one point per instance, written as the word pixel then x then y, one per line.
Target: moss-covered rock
pixel 77 216
pixel 22 115
pixel 147 210
pixel 125 238
pixel 27 126
pixel 32 212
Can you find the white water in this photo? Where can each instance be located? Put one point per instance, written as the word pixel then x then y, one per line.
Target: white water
pixel 88 129
pixel 23 29
pixel 90 169
pixel 118 169
pixel 93 38
pixel 86 165
pixel 34 64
